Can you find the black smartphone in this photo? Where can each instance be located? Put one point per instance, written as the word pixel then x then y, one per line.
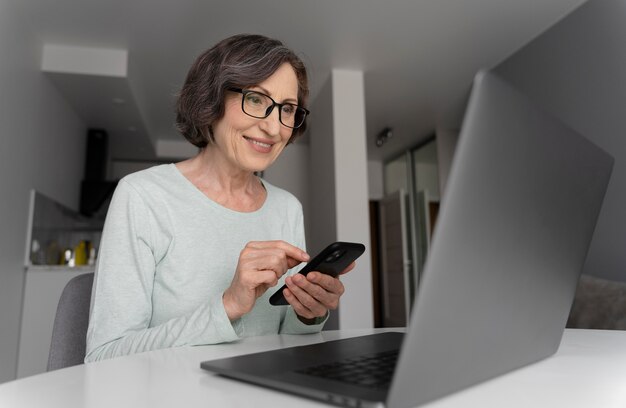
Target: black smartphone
pixel 332 260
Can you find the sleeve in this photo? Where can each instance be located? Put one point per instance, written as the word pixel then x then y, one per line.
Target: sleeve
pixel 291 324
pixel 121 308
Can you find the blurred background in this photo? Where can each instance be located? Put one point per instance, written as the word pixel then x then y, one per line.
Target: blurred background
pixel 88 89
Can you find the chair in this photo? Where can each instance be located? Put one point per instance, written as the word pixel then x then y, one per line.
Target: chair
pixel 69 332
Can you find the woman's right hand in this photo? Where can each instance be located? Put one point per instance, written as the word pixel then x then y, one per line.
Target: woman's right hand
pixel 261 264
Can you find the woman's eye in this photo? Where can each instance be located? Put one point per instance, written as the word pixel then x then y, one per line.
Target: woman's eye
pixel 254 99
pixel 289 109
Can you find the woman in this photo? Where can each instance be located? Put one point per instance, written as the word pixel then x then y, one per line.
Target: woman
pixel 190 250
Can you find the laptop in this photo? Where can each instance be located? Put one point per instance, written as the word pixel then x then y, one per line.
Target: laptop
pixel 521 204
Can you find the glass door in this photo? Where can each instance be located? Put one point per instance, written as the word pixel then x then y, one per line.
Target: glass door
pixel 407 217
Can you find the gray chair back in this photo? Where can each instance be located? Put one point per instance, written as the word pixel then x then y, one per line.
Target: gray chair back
pixel 69 332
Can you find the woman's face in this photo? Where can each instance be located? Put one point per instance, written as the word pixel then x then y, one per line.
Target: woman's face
pixel 252 144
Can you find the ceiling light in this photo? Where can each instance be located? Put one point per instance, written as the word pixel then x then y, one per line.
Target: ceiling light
pixel 383 136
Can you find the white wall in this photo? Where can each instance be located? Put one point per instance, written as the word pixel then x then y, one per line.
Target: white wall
pixel 351 192
pixel 375 177
pixel 577 71
pixel 42 146
pixel 339 187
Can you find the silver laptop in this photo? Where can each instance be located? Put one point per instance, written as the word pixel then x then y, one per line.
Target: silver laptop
pixel 521 204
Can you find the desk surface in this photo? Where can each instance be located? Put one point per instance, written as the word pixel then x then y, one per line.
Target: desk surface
pixel 589 370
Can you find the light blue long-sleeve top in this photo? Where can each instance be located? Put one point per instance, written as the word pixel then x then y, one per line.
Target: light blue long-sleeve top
pixel 166 256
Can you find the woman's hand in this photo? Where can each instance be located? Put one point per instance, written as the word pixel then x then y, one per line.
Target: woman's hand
pixel 315 294
pixel 261 264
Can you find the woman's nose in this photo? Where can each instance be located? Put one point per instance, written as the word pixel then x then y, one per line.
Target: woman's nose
pixel 271 124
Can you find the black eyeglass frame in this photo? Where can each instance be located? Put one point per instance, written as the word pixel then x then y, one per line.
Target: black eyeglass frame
pixel 270 109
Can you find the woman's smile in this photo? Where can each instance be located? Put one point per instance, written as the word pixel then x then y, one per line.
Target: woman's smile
pixel 259 145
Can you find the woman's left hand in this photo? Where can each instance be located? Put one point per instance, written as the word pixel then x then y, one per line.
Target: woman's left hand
pixel 315 294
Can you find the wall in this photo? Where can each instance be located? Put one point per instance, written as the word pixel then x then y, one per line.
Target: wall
pixel 42 144
pixel 322 179
pixel 338 195
pixel 376 190
pixel 351 190
pixel 577 71
pixel 322 171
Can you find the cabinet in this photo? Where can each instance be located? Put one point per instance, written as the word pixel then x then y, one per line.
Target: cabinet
pixel 52 231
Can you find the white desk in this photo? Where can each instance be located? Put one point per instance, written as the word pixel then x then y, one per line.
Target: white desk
pixel 589 370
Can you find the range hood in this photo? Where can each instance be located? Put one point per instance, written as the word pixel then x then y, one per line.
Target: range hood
pixel 95 190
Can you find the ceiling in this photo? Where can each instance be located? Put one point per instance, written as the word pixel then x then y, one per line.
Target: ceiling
pixel 418 56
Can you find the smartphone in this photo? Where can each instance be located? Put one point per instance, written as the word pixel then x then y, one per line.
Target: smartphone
pixel 332 260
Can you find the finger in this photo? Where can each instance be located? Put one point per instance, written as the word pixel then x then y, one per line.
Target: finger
pixel 297 307
pixel 300 309
pixel 291 251
pixel 348 269
pixel 314 290
pixel 312 295
pixel 293 255
pixel 329 283
pixel 309 296
pixel 274 259
pixel 259 278
pixel 267 258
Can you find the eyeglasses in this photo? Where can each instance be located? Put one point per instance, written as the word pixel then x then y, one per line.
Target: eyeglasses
pixel 258 105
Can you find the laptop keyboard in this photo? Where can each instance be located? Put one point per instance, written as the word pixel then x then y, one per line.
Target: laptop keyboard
pixel 371 370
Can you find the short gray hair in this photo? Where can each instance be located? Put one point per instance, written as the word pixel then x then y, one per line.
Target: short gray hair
pixel 239 61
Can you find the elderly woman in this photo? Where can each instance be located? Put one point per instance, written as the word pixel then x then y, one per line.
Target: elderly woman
pixel 189 250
